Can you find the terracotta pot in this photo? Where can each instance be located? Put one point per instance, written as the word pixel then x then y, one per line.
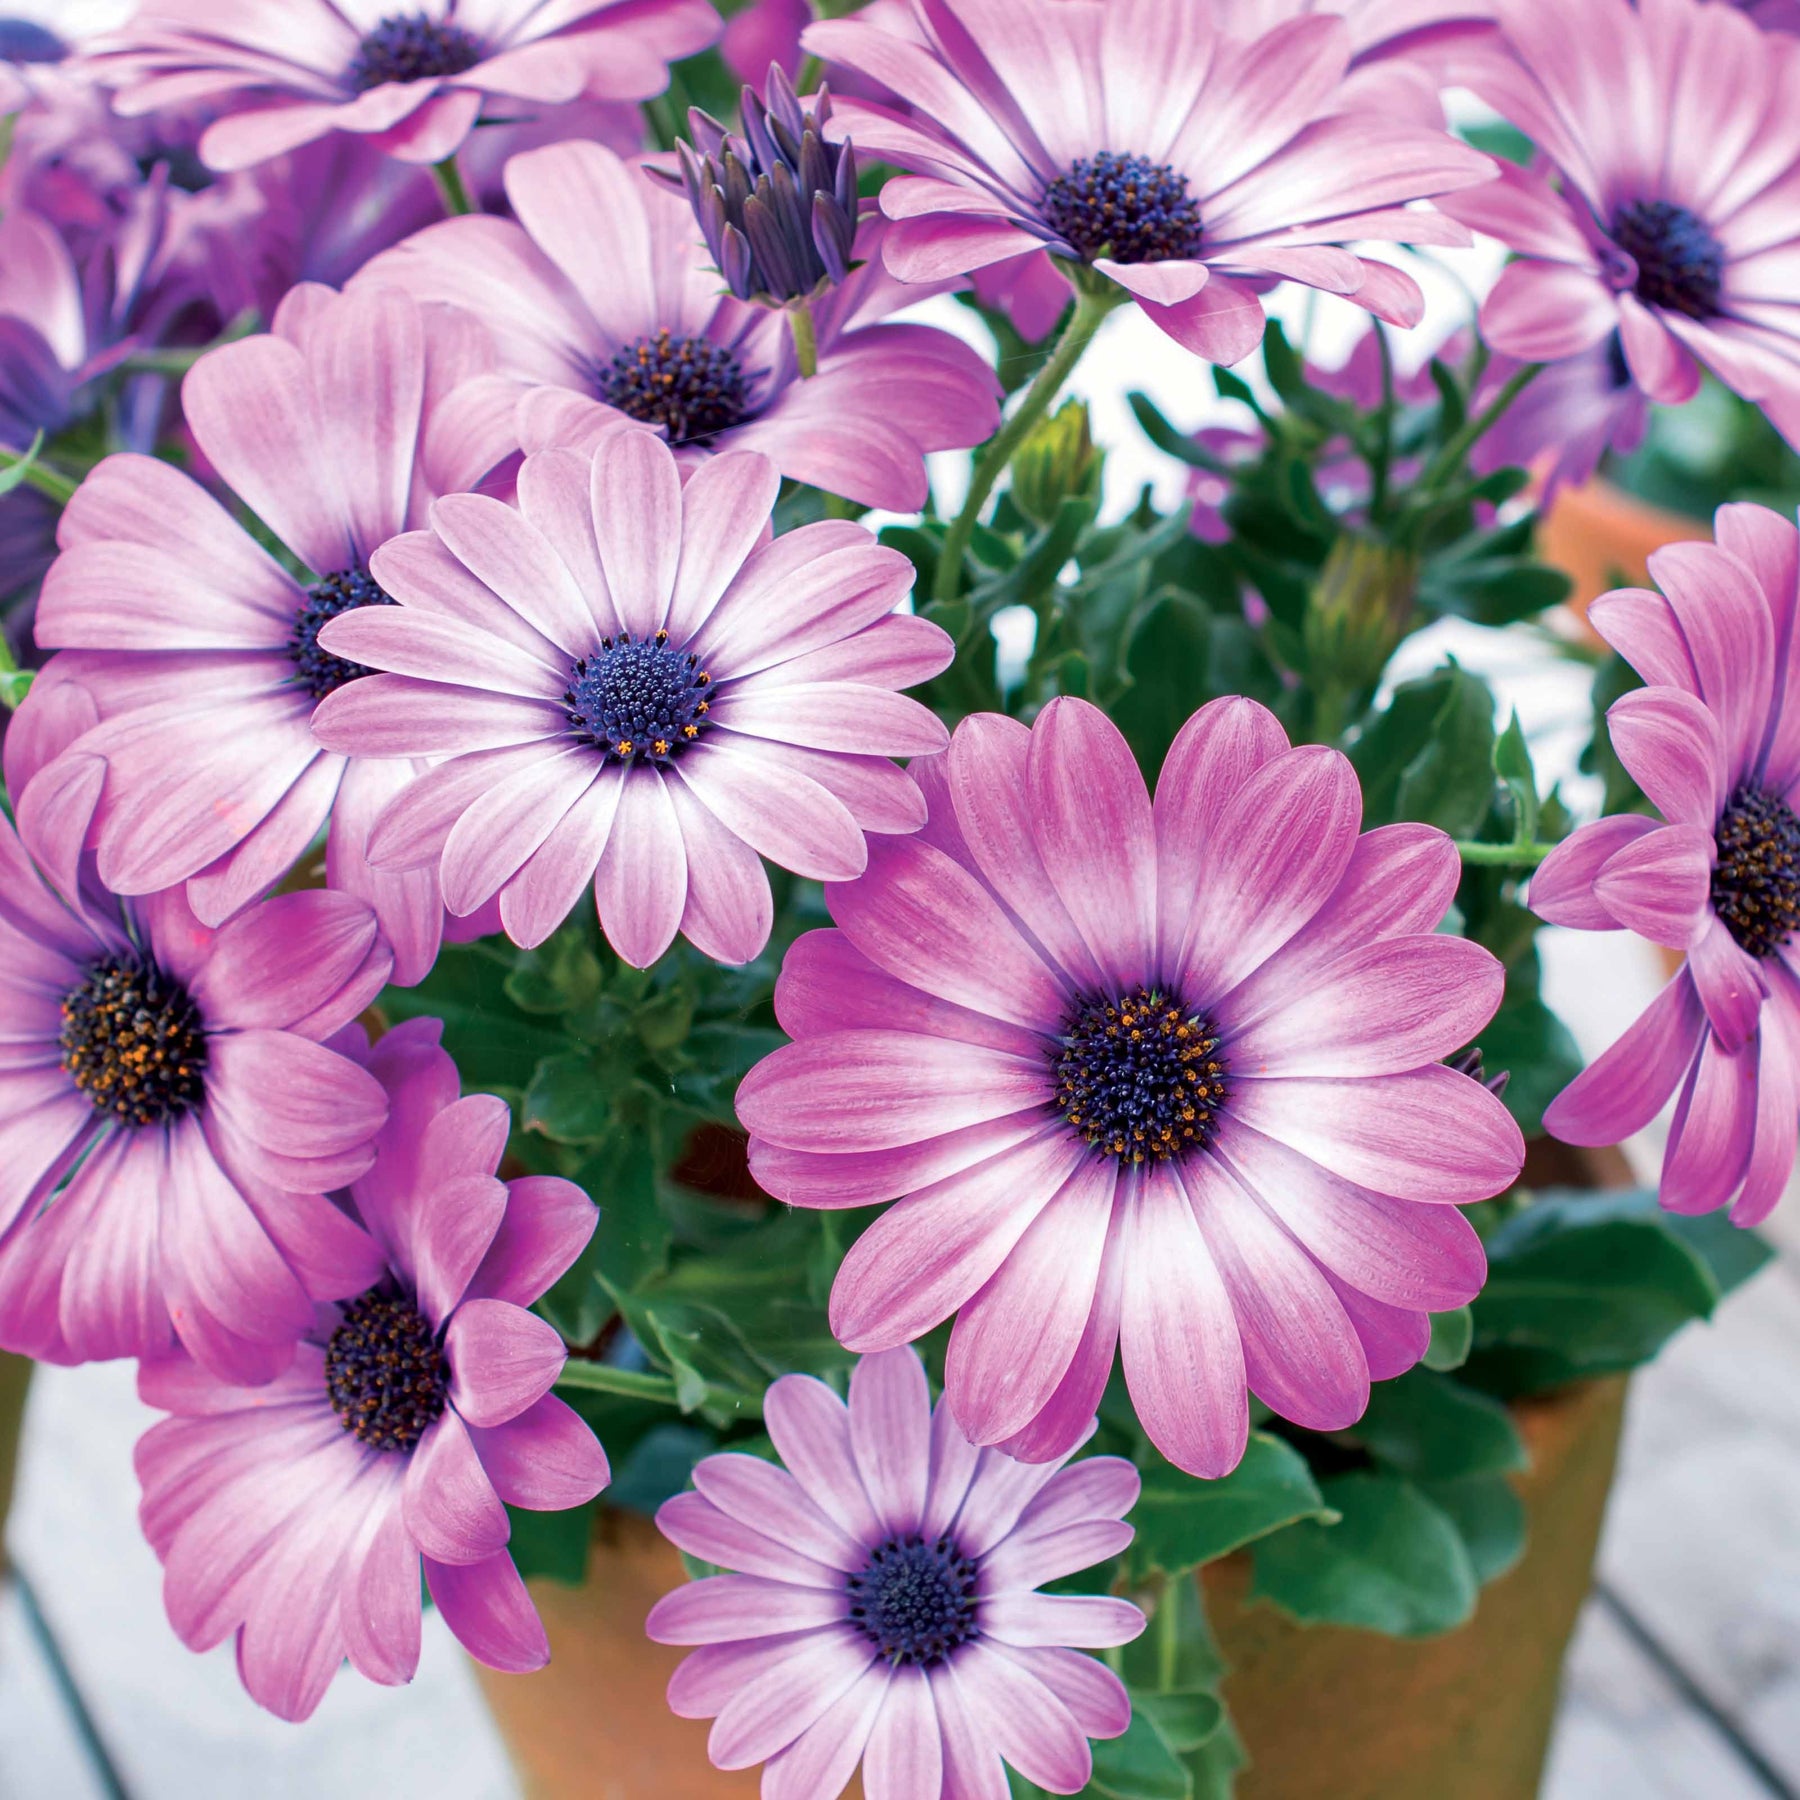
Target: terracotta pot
pixel 595 1725
pixel 15 1378
pixel 1601 538
pixel 1468 1714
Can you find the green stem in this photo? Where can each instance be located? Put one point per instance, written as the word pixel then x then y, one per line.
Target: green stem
pixel 15 683
pixel 637 1384
pixel 1451 458
pixel 1502 856
pixel 1091 306
pixel 806 339
pixel 450 185
pixel 1168 1634
pixel 52 483
pixel 1384 442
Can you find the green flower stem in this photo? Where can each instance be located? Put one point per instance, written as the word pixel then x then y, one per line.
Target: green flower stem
pixel 806 339
pixel 1168 1633
pixel 178 362
pixel 1091 306
pixel 1502 856
pixel 52 483
pixel 450 185
pixel 636 1384
pixel 15 683
pixel 1453 455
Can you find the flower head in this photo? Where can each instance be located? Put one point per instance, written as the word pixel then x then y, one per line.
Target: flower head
pixel 395 1428
pixel 1138 139
pixel 1714 742
pixel 203 652
pixel 1669 224
pixel 886 1611
pixel 630 686
pixel 606 308
pixel 413 78
pixel 171 1116
pixel 1165 1077
pixel 777 205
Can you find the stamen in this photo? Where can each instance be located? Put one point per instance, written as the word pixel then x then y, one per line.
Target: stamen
pixel 1756 883
pixel 1139 1077
pixel 1124 207
pixel 689 386
pixel 915 1601
pixel 134 1042
pixel 639 699
pixel 385 1374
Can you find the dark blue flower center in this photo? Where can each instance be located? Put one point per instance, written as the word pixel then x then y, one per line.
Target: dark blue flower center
pixel 26 41
pixel 134 1042
pixel 1125 207
pixel 915 1602
pixel 385 1372
pixel 316 669
pixel 638 699
pixel 690 386
pixel 412 47
pixel 1680 263
pixel 1139 1077
pixel 1756 882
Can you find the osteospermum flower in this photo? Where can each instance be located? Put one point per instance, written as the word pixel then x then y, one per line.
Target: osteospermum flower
pixel 1138 139
pixel 412 78
pixel 395 1429
pixel 203 652
pixel 1670 224
pixel 886 1610
pixel 630 687
pixel 1714 742
pixel 606 308
pixel 1162 1077
pixel 171 1119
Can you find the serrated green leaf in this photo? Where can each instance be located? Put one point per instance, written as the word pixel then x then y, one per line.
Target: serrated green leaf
pixel 1182 1521
pixel 1451 1335
pixel 1394 1562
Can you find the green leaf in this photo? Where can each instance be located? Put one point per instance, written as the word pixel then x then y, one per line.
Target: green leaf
pixel 1185 1718
pixel 1393 1563
pixel 1166 657
pixel 1432 1428
pixel 1490 1517
pixel 623 1178
pixel 569 1099
pixel 553 1544
pixel 1430 755
pixel 658 1466
pixel 1729 1251
pixel 561 975
pixel 1182 1521
pixel 1141 1765
pixel 497 1048
pixel 1451 1335
pixel 1512 763
pixel 1581 1285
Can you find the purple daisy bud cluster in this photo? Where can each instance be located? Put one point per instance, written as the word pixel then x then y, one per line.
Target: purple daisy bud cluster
pixel 777 202
pixel 501 695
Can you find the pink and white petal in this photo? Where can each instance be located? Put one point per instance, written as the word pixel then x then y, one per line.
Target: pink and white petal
pixel 844 716
pixel 637 501
pixel 780 813
pixel 1659 885
pixel 725 509
pixel 725 1608
pixel 771 1709
pixel 640 885
pixel 284 960
pixel 1777 1103
pixel 1659 363
pixel 1178 1338
pixel 545 890
pixel 1394 1338
pixel 378 1609
pixel 730 908
pixel 1730 982
pixel 547 1458
pixel 1095 1696
pixel 693 1524
pixel 506 826
pixel 905 1755
pixel 810 1428
pixel 503 1359
pixel 452 1512
pixel 1166 283
pixel 1629 1083
pixel 1711 1135
pixel 973 1768
pixel 547 1225
pixel 112 1301
pixel 489 1612
pixel 502 549
pixel 1222 323
pixel 822 1759
pixel 1020 1716
pixel 890 1433
pixel 1641 625
pixel 1562 890
pixel 759 1494
pixel 1543 312
pixel 400 716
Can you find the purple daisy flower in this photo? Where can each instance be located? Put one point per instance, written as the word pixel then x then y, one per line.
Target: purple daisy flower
pixel 396 1427
pixel 1571 415
pixel 1190 167
pixel 1165 1077
pixel 1714 742
pixel 171 1119
pixel 632 687
pixel 887 1610
pixel 606 307
pixel 411 78
pixel 1672 223
pixel 202 652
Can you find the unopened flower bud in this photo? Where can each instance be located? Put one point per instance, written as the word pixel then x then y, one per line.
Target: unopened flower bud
pixel 777 204
pixel 1056 462
pixel 1359 610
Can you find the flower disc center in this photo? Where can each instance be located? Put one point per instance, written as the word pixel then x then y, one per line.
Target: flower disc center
pixel 638 698
pixel 1680 263
pixel 1756 884
pixel 412 47
pixel 915 1602
pixel 385 1374
pixel 315 669
pixel 690 386
pixel 1138 1077
pixel 1125 207
pixel 134 1042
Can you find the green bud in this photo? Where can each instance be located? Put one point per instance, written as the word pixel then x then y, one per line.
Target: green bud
pixel 1358 611
pixel 1056 462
